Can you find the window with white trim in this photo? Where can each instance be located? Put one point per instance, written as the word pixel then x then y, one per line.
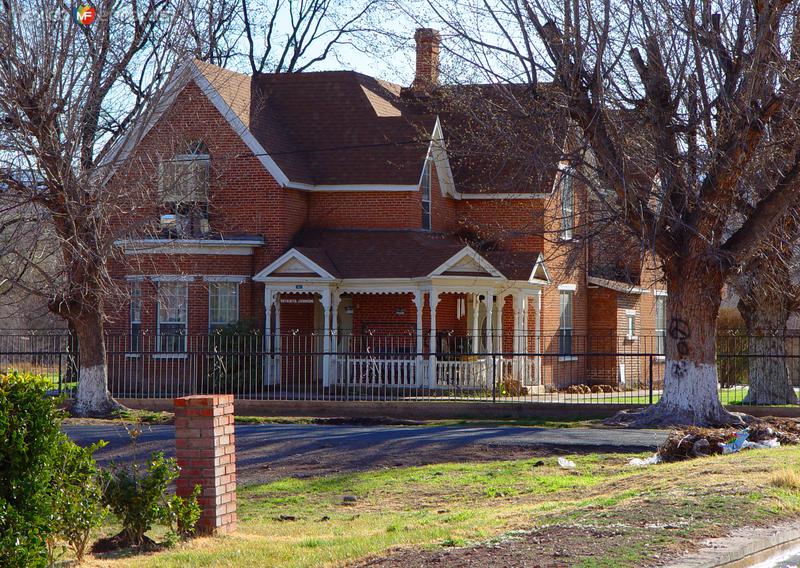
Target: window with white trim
pixel 565 323
pixel 567 205
pixel 223 304
pixel 630 324
pixel 173 311
pixel 184 186
pixel 425 188
pixel 136 316
pixel 661 324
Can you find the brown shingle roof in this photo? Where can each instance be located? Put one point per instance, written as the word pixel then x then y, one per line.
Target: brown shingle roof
pixel 357 253
pixel 339 127
pixel 343 127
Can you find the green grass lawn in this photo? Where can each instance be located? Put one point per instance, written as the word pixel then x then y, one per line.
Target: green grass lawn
pixel 655 510
pixel 727 396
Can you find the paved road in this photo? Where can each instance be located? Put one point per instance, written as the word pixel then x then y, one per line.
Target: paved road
pixel 269 451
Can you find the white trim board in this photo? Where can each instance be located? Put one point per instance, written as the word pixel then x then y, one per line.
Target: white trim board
pixel 188 246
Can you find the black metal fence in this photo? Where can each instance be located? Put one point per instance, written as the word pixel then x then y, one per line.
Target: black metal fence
pixel 548 367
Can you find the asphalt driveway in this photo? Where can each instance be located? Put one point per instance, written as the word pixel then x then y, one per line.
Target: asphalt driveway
pixel 270 451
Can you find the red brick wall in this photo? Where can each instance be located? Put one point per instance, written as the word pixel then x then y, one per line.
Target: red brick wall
pixel 513 223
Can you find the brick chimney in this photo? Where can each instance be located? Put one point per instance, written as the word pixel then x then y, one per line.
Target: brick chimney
pixel 427 74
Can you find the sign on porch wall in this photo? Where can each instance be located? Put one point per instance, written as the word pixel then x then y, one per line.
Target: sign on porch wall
pixel 297 300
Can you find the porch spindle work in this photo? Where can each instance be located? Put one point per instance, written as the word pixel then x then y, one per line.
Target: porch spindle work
pixel 433 300
pixel 419 303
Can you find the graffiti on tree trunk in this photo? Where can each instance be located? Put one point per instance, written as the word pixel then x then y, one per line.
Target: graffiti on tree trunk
pixel 679 331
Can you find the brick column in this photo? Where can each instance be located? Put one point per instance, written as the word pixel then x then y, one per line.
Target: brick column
pixel 206 452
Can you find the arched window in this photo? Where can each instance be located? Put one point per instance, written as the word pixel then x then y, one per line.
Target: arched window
pixel 184 185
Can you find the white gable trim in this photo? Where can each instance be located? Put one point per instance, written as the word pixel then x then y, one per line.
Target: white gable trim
pixel 292 254
pixel 238 126
pixel 466 252
pixel 539 273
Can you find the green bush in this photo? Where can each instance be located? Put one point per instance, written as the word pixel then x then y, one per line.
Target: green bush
pixel 235 364
pixel 136 497
pixel 181 514
pixel 30 443
pixel 77 496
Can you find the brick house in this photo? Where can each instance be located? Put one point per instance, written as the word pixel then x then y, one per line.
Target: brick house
pixel 330 210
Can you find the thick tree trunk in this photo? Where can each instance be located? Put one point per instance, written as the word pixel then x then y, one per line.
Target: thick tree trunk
pixel 93 397
pixel 765 313
pixel 690 395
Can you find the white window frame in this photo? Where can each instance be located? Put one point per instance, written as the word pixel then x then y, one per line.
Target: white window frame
pixel 567 205
pixel 181 352
pixel 566 293
pixel 135 317
pixel 217 285
pixel 426 189
pixel 630 325
pixel 661 332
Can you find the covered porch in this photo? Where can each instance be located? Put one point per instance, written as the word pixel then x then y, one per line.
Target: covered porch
pixel 462 325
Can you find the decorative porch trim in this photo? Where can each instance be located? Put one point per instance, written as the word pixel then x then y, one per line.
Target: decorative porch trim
pixel 292 254
pixel 472 254
pixel 539 273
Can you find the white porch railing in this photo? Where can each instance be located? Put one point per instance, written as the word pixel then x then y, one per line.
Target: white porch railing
pixel 377 371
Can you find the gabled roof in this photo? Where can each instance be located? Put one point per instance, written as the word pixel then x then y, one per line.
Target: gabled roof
pixel 339 128
pixel 342 130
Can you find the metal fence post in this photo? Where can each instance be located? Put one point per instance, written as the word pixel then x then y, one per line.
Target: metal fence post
pixel 494 378
pixel 651 379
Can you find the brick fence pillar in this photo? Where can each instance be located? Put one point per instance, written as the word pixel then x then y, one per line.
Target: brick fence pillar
pixel 206 452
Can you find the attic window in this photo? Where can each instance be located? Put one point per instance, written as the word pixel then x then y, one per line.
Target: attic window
pixel 425 187
pixel 184 185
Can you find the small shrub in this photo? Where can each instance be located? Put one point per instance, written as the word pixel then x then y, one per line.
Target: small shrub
pixel 786 479
pixel 510 386
pixel 77 496
pixel 136 497
pixel 181 514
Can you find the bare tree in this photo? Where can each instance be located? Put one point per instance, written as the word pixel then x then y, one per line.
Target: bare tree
pixel 68 91
pixel 290 36
pixel 676 102
pixel 74 98
pixel 767 297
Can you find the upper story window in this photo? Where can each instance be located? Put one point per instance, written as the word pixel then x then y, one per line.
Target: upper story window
pixel 425 187
pixel 184 186
pixel 567 204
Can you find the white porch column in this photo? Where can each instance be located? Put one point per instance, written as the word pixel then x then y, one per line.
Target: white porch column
pixel 433 301
pixel 539 336
pixel 269 297
pixel 335 299
pixel 475 332
pixel 498 336
pixel 419 304
pixel 325 298
pixel 276 360
pixel 516 344
pixel 489 331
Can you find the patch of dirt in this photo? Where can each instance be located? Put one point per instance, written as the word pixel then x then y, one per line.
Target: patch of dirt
pixel 323 461
pixel 121 541
pixel 549 547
